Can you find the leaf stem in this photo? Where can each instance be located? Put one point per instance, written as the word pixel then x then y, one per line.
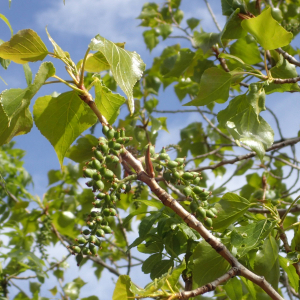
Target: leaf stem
pixel 69 85
pixel 82 67
pixel 288 210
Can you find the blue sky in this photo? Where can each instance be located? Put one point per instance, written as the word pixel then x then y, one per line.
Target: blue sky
pixel 72 26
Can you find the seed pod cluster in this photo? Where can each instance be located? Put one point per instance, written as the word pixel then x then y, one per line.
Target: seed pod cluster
pixel 188 182
pixel 107 189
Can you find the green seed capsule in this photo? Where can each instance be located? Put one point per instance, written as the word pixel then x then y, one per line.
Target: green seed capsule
pixel 196 181
pixel 197 190
pixel 193 206
pixel 94 214
pixel 210 214
pixel 214 210
pixel 102 170
pixel 110 134
pixel 98 243
pixel 158 168
pixel 102 139
pixel 204 194
pixel 100 196
pixel 117 146
pixel 106 229
pixel 90 225
pixel 88 172
pixel 105 129
pixel 99 185
pixel 86 251
pixel 79 258
pixel 114 185
pixel 122 132
pixel 128 188
pixel 112 212
pixel 114 152
pixel 108 174
pixel 106 212
pixel 120 141
pixel 96 163
pixel 76 249
pixel 81 240
pixel 86 232
pixel 187 191
pixel 99 219
pixel 97 204
pixel 103 148
pixel 113 198
pixel 97 176
pixel 172 164
pixel 187 176
pixel 208 222
pixel 117 134
pixel 104 222
pixel 93 249
pixel 164 156
pixel 204 204
pixel 176 175
pixel 201 212
pixel 92 239
pixel 180 161
pixel 163 150
pixel 98 154
pixel 90 183
pixel 111 144
pixel 100 233
pixel 127 139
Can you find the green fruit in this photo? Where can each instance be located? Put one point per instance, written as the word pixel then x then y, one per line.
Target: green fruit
pixel 176 175
pixel 187 191
pixel 110 134
pixel 86 251
pixel 106 229
pixel 172 164
pixel 197 190
pixel 208 222
pixel 201 212
pixel 96 163
pixel 81 240
pixel 214 210
pixel 107 198
pixel 100 233
pixel 90 183
pixel 93 249
pixel 113 198
pixel 117 134
pixel 94 214
pixel 180 161
pixel 98 154
pixel 111 144
pixel 105 129
pixel 193 206
pixel 167 175
pixel 76 249
pixel 204 194
pixel 86 232
pixel 158 168
pixel 127 188
pixel 117 146
pixel 90 225
pixel 204 204
pixel 97 204
pixel 187 176
pixel 196 181
pixel 88 172
pixel 163 150
pixel 164 156
pixel 122 132
pixel 92 239
pixel 140 134
pixel 210 214
pixel 99 185
pixel 100 196
pixel 98 243
pixel 106 212
pixel 104 148
pixel 97 176
pixel 112 212
pixel 108 174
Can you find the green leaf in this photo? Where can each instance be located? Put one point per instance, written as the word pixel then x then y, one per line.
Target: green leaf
pixel 3 18
pixel 229 6
pixel 267 31
pixel 34 286
pixel 233 28
pixel 183 61
pixel 247 237
pixel 160 268
pixel 96 62
pixel 208 264
pixel 62 119
pixel 82 151
pixel 107 102
pixel 54 176
pixel 266 262
pixel 53 291
pixel 234 289
pixel 23 47
pixel 151 38
pixel 214 86
pixel 90 298
pixel 231 207
pixel 57 50
pixel 252 131
pixel 122 290
pixel 283 69
pixel 291 272
pixel 247 50
pixel 71 290
pixel 28 74
pixel 127 67
pixel 165 30
pixel 250 286
pixel 205 40
pixel 192 23
pixel 149 263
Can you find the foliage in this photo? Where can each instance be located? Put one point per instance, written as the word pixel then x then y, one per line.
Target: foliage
pixel 198 237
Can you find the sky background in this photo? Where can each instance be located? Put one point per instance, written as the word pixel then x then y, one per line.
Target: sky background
pixel 72 26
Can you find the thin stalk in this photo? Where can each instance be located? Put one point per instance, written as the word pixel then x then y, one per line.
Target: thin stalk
pixel 288 210
pixel 73 87
pixel 82 67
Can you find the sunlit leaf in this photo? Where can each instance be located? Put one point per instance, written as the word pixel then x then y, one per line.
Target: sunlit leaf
pixel 122 290
pixel 291 272
pixel 205 40
pixel 5 20
pixel 62 119
pixel 23 47
pixel 127 67
pixel 268 32
pixel 96 62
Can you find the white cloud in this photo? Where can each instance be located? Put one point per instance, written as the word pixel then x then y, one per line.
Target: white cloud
pixel 112 19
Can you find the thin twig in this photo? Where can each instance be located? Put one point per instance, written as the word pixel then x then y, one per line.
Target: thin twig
pixel 288 57
pixel 213 16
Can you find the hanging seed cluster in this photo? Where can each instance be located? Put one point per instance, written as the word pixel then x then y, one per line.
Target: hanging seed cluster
pixel 107 189
pixel 173 171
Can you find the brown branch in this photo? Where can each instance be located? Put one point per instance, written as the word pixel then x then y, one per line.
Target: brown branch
pixel 288 57
pixel 281 211
pixel 286 80
pixel 209 286
pixel 280 145
pixel 192 222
